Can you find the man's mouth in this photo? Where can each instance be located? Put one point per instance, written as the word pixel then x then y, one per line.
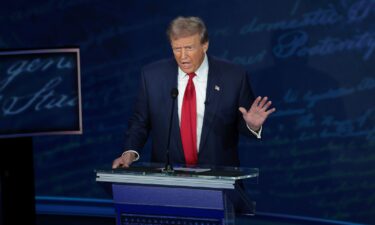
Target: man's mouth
pixel 185 64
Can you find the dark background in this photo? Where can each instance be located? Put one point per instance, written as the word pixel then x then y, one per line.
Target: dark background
pixel 314 59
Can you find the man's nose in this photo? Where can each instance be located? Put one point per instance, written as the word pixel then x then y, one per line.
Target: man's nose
pixel 183 54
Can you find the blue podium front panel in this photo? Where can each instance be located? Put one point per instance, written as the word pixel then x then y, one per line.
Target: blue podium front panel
pixel 164 203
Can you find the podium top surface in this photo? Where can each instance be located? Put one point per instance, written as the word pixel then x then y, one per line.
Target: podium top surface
pixel 152 174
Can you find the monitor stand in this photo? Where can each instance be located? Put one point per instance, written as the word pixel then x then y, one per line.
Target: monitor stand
pixel 17 191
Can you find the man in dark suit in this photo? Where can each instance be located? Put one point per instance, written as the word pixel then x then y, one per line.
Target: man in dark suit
pixel 212 107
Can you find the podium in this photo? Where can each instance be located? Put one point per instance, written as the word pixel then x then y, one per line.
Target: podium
pixel 143 194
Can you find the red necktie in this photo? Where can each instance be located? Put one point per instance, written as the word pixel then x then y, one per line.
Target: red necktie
pixel 189 122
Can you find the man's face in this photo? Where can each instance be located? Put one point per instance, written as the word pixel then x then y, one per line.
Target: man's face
pixel 189 52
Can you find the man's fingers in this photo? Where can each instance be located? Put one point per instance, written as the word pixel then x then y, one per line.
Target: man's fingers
pixel 256 101
pixel 123 162
pixel 125 165
pixel 267 105
pixel 116 163
pixel 263 102
pixel 270 111
pixel 126 161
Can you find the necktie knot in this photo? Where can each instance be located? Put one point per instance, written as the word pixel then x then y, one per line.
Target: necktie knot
pixel 191 75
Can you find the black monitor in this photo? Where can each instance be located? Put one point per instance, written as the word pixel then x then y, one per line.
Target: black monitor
pixel 40 92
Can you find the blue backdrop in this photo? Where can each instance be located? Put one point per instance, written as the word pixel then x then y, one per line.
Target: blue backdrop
pixel 314 59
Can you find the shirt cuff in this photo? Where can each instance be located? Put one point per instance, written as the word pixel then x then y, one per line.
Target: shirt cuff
pixel 257 134
pixel 135 152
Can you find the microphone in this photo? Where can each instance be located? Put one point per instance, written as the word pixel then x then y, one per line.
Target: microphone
pixel 174 93
pixel 168 166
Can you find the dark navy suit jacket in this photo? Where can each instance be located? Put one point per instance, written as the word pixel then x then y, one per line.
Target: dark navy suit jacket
pixel 227 90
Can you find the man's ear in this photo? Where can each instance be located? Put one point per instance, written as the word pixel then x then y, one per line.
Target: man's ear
pixel 205 47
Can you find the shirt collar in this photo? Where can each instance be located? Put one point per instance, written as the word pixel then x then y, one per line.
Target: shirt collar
pixel 201 72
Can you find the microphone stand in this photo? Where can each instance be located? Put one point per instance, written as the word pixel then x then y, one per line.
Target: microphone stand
pixel 168 166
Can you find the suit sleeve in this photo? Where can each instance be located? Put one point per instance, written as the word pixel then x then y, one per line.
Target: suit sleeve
pixel 246 98
pixel 139 123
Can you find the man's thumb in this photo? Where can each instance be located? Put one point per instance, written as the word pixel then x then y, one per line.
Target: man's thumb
pixel 242 110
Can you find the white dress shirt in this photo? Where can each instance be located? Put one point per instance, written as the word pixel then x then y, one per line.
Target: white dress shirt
pixel 200 83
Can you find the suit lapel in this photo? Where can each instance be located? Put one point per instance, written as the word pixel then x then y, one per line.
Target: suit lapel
pixel 212 100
